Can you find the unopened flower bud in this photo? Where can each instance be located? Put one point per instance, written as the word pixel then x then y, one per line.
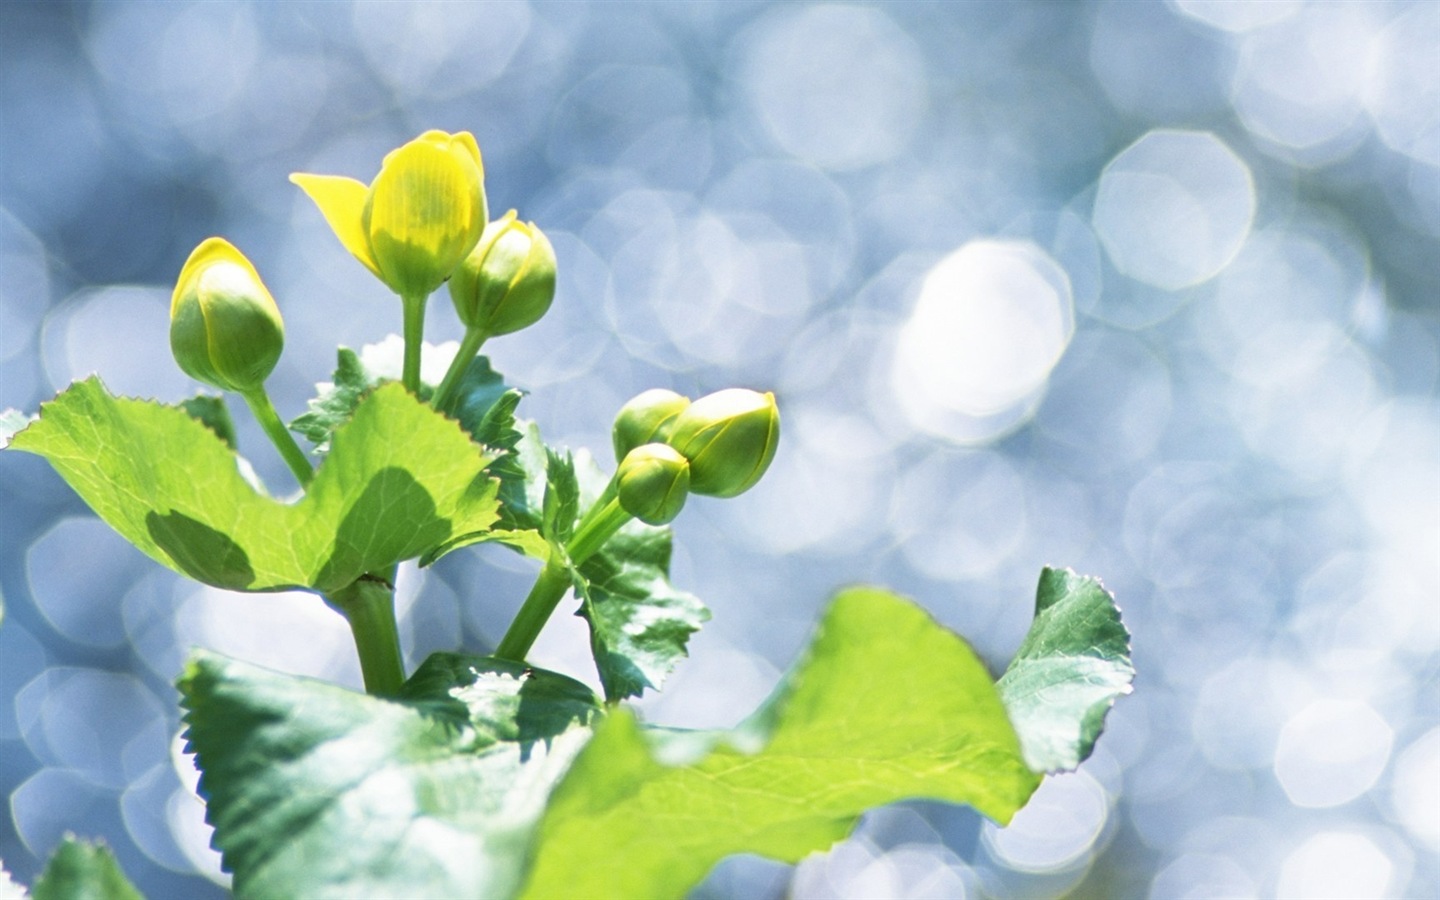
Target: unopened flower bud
pixel 652 483
pixel 225 329
pixel 729 437
pixel 646 418
pixel 508 280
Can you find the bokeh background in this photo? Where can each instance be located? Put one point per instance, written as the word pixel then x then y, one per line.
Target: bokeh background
pixel 1151 290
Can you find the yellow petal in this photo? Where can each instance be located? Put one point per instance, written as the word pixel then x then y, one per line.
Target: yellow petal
pixel 212 250
pixel 342 202
pixel 425 211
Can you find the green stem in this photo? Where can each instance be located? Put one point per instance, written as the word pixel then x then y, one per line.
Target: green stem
pixel 369 606
pixel 554 579
pixel 414 334
pixel 474 337
pixel 596 529
pixel 295 458
pixel 544 596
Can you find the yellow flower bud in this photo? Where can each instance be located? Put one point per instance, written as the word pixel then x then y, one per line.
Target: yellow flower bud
pixel 647 417
pixel 508 280
pixel 729 437
pixel 225 329
pixel 420 216
pixel 652 483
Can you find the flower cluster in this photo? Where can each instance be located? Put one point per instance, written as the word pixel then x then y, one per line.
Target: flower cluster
pixel 422 222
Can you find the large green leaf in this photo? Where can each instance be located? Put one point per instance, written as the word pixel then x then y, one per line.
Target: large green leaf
pixel 315 791
pixel 81 871
pixel 1067 673
pixel 886 705
pixel 399 480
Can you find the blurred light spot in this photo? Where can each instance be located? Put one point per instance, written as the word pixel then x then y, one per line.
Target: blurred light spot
pixel 959 515
pixel 716 688
pixel 1108 402
pixel 1240 710
pixel 1298 84
pixel 857 868
pixel 49 803
pixel 1282 311
pixel 1203 876
pixel 1232 16
pixel 1332 752
pixel 207 55
pixel 992 320
pixel 21 659
pixel 1057 828
pixel 185 814
pixel 106 727
pixel 143 807
pixel 1303 417
pixel 802 71
pixel 1336 865
pixel 121 333
pixel 1133 52
pixel 1174 208
pixel 425 51
pixel 1415 789
pixel 290 632
pixel 24 286
pixel 79 570
pixel 1404 92
pixel 1393 479
pixel 606 115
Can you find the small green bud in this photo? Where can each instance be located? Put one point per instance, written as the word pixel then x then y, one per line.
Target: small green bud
pixel 646 418
pixel 729 437
pixel 652 483
pixel 225 329
pixel 508 280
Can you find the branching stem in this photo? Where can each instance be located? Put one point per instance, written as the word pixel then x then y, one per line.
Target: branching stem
pixel 369 606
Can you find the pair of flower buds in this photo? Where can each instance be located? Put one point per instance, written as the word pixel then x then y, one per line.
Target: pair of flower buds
pixel 422 220
pixel 669 448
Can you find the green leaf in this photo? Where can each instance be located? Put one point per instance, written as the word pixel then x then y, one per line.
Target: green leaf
pixel 336 402
pixel 561 507
pixel 12 421
pixel 81 871
pixel 640 623
pixel 399 480
pixel 886 705
pixel 1069 670
pixel 213 414
pixel 315 791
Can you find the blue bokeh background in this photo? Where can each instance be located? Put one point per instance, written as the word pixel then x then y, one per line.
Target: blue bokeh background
pixel 1151 290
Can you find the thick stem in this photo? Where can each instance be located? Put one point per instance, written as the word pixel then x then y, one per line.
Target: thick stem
pixel 295 458
pixel 369 606
pixel 554 580
pixel 470 346
pixel 544 596
pixel 414 335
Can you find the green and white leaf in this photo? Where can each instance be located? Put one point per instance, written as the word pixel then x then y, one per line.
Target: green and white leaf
pixel 319 792
pixel 336 401
pixel 400 479
pixel 1072 665
pixel 78 870
pixel 886 705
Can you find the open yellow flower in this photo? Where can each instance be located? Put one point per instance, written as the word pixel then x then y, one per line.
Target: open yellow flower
pixel 418 219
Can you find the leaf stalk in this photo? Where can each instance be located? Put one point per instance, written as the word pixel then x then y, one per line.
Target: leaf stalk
pixel 259 402
pixel 368 605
